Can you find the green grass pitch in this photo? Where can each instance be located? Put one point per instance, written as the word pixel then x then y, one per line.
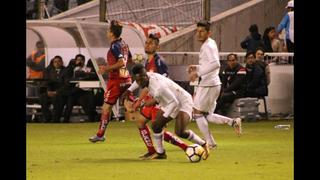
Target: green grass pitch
pixel 63 152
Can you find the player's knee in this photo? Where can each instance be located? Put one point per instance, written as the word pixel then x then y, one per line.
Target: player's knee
pixel 156 127
pixel 197 116
pixel 141 123
pixel 106 108
pixel 181 133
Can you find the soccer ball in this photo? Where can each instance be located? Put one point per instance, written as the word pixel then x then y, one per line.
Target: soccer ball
pixel 194 153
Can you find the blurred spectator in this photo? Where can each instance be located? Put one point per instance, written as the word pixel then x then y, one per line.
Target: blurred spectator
pixel 287 23
pixel 260 60
pixel 271 43
pixel 233 84
pixel 36 62
pixel 56 80
pixel 61 5
pixel 31 9
pixel 256 85
pixel 253 40
pixel 90 71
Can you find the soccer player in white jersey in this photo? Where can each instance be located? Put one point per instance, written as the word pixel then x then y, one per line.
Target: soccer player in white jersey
pixel 175 103
pixel 208 85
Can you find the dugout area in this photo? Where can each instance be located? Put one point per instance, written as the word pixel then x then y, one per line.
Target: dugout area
pixel 68 38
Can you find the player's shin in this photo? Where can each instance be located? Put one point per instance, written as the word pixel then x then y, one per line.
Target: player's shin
pixel 158 139
pixel 104 120
pixel 170 138
pixel 219 119
pixel 145 135
pixel 195 138
pixel 204 128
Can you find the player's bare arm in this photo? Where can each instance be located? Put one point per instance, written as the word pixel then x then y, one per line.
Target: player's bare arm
pixel 118 65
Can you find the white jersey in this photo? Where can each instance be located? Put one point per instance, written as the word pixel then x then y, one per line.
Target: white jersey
pixel 171 97
pixel 209 64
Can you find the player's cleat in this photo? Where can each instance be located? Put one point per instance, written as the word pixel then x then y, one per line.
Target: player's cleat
pixel 236 124
pixel 147 155
pixel 159 156
pixel 206 152
pixel 96 138
pixel 213 146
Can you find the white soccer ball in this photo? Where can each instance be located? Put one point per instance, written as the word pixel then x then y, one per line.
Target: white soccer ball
pixel 194 153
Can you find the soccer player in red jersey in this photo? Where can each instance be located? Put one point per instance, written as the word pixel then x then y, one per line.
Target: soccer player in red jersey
pixel 119 79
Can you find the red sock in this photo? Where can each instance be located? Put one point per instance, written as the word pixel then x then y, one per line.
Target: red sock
pixel 170 138
pixel 145 135
pixel 104 120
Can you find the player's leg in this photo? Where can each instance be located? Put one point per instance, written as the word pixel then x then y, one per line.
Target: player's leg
pixel 157 128
pixel 110 98
pixel 167 136
pixel 220 119
pixel 203 126
pixel 203 102
pixel 104 121
pixel 181 123
pixel 170 138
pixel 145 131
pixel 182 120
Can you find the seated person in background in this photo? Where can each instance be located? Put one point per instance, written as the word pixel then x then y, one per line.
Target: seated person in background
pixel 56 77
pixel 253 40
pixel 91 72
pixel 83 97
pixel 36 62
pixel 264 65
pixel 35 67
pixel 233 84
pixel 256 80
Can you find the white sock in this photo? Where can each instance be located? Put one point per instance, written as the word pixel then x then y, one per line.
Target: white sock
pixel 195 138
pixel 204 128
pixel 158 139
pixel 219 119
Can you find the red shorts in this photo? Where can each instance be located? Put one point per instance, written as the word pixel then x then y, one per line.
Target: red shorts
pixel 115 88
pixel 149 112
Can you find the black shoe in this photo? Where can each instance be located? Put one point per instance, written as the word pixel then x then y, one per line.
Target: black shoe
pixel 147 155
pixel 159 156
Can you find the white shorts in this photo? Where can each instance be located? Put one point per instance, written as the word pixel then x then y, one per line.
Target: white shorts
pixel 186 105
pixel 205 98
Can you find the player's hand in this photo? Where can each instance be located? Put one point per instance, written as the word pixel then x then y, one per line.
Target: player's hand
pixel 139 103
pixel 191 68
pixel 128 95
pixel 193 76
pixel 128 105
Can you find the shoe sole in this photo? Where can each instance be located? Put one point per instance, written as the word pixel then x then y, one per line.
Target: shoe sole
pixel 94 141
pixel 145 157
pixel 157 157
